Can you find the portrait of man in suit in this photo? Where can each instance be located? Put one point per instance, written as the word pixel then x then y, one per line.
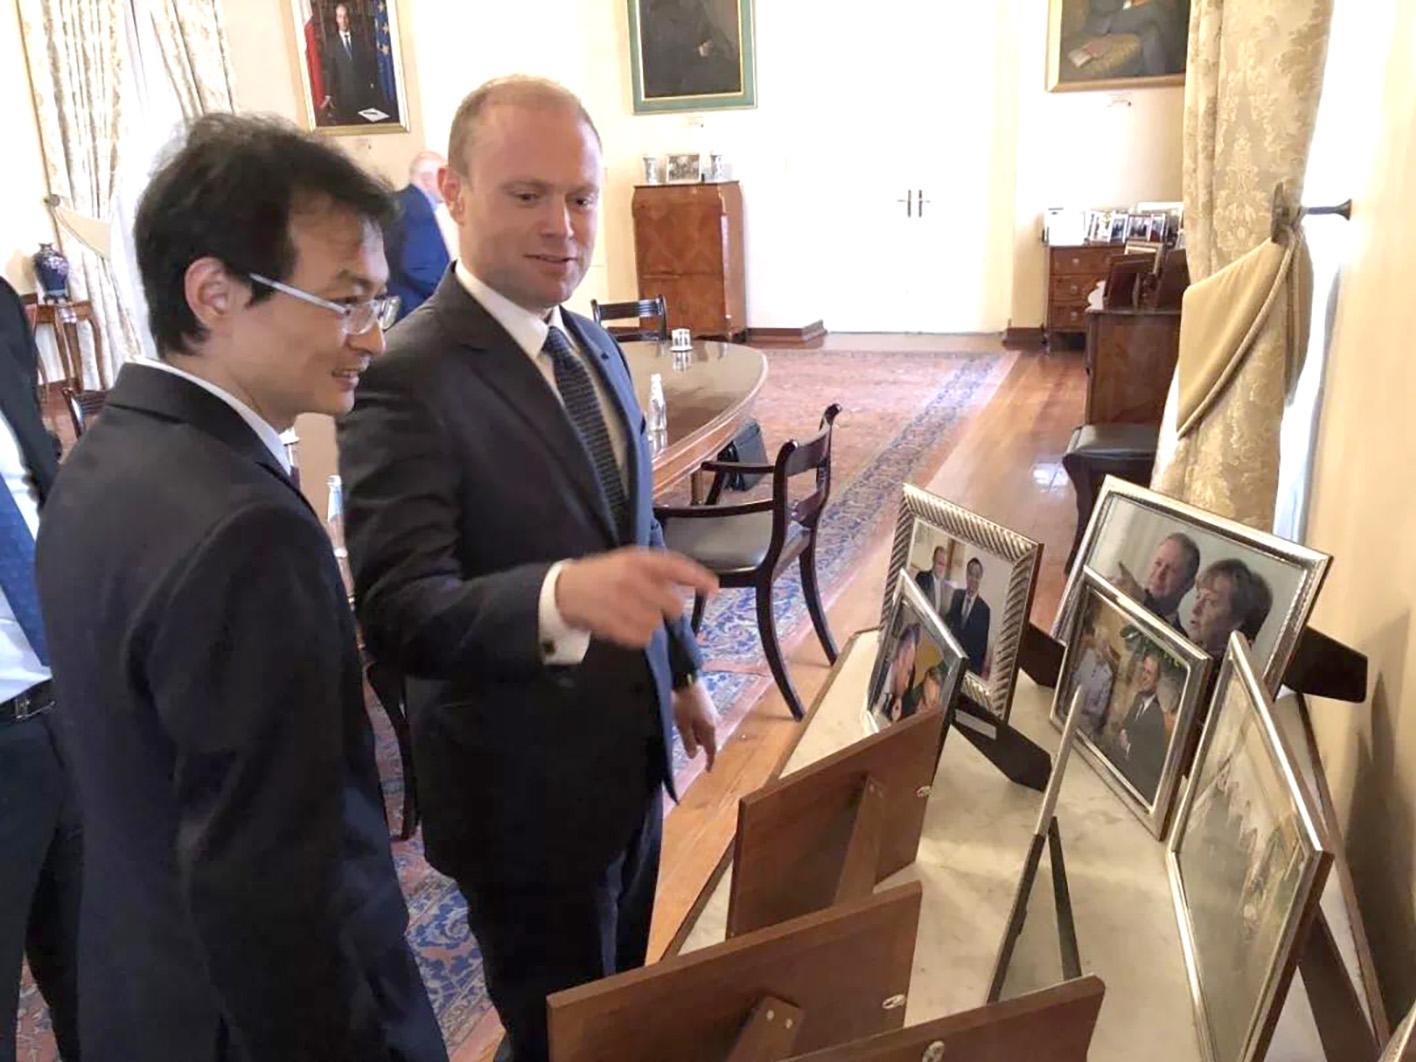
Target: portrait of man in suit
pixel 350 71
pixel 506 558
pixel 934 580
pixel 968 617
pixel 1169 577
pixel 1143 737
pixel 690 47
pixel 240 896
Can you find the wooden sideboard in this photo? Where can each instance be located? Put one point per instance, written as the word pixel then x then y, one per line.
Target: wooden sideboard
pixel 688 247
pixel 1072 272
pixel 1130 361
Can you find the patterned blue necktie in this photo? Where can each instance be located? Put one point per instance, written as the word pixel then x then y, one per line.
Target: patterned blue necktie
pixel 17 573
pixel 577 391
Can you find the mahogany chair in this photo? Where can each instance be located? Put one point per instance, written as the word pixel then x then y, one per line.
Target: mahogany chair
pixel 388 687
pixel 655 309
pixel 750 544
pixel 83 406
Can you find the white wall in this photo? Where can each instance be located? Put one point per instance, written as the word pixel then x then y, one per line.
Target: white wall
pixel 24 221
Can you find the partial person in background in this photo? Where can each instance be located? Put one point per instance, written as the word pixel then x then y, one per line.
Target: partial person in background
pixel 899 676
pixel 968 617
pixel 243 904
pixel 1094 678
pixel 933 582
pixel 40 833
pixel 417 253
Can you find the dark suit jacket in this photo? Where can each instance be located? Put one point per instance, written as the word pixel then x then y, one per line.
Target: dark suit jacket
pixel 417 255
pixel 973 636
pixel 351 78
pixel 19 383
pixel 925 581
pixel 1146 734
pixel 237 869
pixel 464 481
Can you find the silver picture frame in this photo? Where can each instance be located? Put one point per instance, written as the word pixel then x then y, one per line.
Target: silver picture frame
pixel 1008 613
pixel 1183 673
pixel 1402 1046
pixel 909 605
pixel 1242 945
pixel 1292 573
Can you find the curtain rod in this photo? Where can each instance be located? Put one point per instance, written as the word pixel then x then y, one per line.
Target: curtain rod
pixel 1286 216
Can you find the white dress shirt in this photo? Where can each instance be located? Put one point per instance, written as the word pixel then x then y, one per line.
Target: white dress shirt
pixel 20 668
pixel 263 429
pixel 560 642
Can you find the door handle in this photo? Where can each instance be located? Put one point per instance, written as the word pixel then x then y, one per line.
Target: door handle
pixel 909 203
pixel 922 201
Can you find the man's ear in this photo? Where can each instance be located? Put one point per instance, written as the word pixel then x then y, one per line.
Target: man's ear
pixel 450 184
pixel 213 294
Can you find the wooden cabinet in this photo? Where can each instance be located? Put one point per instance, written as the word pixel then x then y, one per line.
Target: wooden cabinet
pixel 688 248
pixel 1072 273
pixel 1130 361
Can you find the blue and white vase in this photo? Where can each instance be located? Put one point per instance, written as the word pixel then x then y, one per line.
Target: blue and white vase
pixel 52 268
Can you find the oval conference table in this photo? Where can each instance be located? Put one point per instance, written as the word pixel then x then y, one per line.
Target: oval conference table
pixel 709 392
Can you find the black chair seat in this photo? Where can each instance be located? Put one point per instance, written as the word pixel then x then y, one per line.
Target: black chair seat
pixel 728 544
pixel 1096 451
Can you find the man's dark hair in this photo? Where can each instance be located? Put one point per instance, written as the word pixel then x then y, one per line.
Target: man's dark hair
pixel 228 191
pixel 970 566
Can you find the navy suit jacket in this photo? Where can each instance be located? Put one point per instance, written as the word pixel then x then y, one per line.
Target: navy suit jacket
pixel 19 402
pixel 417 253
pixel 238 884
pixel 464 482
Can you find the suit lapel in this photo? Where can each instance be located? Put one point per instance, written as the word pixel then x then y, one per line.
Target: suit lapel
pixel 505 368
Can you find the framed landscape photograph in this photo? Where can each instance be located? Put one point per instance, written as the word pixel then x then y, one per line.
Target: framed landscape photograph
pixel 976 576
pixel 691 55
pixel 1139 686
pixel 1203 575
pixel 919 664
pixel 1116 44
pixel 350 66
pixel 1247 864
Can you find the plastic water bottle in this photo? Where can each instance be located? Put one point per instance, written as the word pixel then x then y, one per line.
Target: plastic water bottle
pixel 334 524
pixel 658 408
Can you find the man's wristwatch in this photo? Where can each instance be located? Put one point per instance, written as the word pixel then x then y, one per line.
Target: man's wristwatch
pixel 684 681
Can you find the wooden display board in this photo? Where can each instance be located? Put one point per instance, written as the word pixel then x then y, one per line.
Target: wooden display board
pixel 1054 1025
pixel 829 832
pixel 846 969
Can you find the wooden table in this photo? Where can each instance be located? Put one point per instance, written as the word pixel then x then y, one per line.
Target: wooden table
pixel 64 319
pixel 976 834
pixel 709 391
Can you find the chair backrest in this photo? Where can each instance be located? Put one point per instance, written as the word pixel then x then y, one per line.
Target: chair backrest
pixel 794 459
pixel 1123 280
pixel 83 406
pixel 655 309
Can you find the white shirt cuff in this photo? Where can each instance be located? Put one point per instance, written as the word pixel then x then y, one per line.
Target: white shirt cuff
pixel 561 644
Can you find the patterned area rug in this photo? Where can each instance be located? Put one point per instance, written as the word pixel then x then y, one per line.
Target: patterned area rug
pixel 901 413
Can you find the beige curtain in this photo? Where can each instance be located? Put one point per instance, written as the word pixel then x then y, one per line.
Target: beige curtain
pixel 76 58
pixel 1251 97
pixel 195 54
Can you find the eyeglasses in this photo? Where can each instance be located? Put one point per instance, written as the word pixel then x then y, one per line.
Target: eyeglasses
pixel 359 317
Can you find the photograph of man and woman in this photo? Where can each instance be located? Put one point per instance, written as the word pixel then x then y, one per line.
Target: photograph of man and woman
pixel 919 664
pixel 1201 581
pixel 1138 683
pixel 1247 861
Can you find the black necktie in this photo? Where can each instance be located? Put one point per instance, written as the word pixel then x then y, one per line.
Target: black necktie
pixel 577 391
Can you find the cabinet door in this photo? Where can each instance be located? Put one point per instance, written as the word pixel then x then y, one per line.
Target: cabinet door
pixel 678 233
pixel 694 302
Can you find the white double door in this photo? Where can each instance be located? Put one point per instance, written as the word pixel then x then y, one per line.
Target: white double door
pixel 922 171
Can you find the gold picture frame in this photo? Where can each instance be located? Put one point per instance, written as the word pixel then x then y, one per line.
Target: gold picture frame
pixel 352 86
pixel 1097 45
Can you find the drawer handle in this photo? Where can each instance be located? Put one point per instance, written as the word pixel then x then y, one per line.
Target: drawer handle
pixel 1076 260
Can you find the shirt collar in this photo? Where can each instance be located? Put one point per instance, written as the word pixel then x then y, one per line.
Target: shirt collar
pixel 263 429
pixel 528 329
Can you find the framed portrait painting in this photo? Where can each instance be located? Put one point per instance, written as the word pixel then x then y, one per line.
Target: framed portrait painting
pixel 1138 686
pixel 919 664
pixel 691 55
pixel 1247 861
pixel 350 66
pixel 978 577
pixel 1203 575
pixel 1116 44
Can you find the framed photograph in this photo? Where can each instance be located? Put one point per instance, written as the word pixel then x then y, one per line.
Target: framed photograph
pixel 1140 686
pixel 1111 44
pixel 684 169
pixel 919 663
pixel 691 55
pixel 1119 220
pixel 978 577
pixel 1202 574
pixel 350 66
pixel 1247 865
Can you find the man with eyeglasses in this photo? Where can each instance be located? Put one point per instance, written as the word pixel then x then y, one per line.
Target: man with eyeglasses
pixel 240 898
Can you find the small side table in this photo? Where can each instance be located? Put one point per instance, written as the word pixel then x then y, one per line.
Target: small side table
pixel 64 318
